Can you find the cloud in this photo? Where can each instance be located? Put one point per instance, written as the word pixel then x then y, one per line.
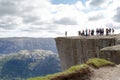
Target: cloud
pixel 41 17
pixel 7 8
pixel 97 2
pixel 56 32
pixel 30 19
pixel 117 16
pixel 96 17
pixel 63 1
pixel 110 25
pixel 28 10
pixel 7 26
pixel 9 22
pixel 44 28
pixel 66 21
pixel 10 7
pixel 79 5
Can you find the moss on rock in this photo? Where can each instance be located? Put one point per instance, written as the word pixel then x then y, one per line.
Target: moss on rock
pixel 97 62
pixel 78 72
pixel 73 72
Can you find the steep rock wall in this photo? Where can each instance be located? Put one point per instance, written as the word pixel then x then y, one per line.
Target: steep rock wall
pixel 75 50
pixel 111 53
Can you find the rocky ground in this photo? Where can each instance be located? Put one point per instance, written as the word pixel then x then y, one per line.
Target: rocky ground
pixel 106 73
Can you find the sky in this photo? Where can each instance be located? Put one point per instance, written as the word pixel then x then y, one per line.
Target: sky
pixel 51 18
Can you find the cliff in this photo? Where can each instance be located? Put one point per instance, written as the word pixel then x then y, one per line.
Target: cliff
pixel 75 50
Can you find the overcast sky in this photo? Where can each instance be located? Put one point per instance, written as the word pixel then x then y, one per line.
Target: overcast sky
pixel 51 18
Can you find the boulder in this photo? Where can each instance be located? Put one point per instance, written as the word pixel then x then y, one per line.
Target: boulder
pixel 111 53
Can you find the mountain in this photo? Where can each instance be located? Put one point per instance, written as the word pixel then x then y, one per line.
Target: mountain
pixel 15 44
pixel 28 63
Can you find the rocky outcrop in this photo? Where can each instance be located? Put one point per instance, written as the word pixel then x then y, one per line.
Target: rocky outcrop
pixel 111 53
pixel 75 50
pixel 102 70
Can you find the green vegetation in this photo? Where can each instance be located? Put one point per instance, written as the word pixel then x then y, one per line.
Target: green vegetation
pixel 78 69
pixel 75 72
pixel 26 64
pixel 97 62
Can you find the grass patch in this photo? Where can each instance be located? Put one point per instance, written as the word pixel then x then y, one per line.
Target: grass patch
pixel 97 62
pixel 76 72
pixel 69 74
pixel 78 67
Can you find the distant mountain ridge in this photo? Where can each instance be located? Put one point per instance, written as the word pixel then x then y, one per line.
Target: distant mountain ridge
pixel 15 44
pixel 28 63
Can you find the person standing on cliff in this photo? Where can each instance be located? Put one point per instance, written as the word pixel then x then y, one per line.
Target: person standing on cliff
pixel 83 33
pixel 92 32
pixel 65 33
pixel 79 33
pixel 112 31
pixel 86 32
pixel 89 33
pixel 97 31
pixel 107 31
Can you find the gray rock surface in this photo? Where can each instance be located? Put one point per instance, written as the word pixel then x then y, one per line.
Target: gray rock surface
pixel 75 50
pixel 106 73
pixel 111 53
pixel 111 48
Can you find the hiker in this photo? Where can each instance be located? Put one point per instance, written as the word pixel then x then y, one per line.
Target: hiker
pixel 86 32
pixel 65 33
pixel 92 32
pixel 102 31
pixel 79 33
pixel 83 33
pixel 112 31
pixel 107 31
pixel 97 31
pixel 89 32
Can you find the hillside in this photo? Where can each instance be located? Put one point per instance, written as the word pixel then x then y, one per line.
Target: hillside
pixel 94 69
pixel 28 63
pixel 15 44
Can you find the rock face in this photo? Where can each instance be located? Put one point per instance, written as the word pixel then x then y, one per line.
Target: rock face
pixel 111 53
pixel 75 50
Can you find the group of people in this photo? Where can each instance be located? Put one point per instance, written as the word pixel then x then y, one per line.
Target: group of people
pixel 91 32
pixel 99 31
pixel 86 32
